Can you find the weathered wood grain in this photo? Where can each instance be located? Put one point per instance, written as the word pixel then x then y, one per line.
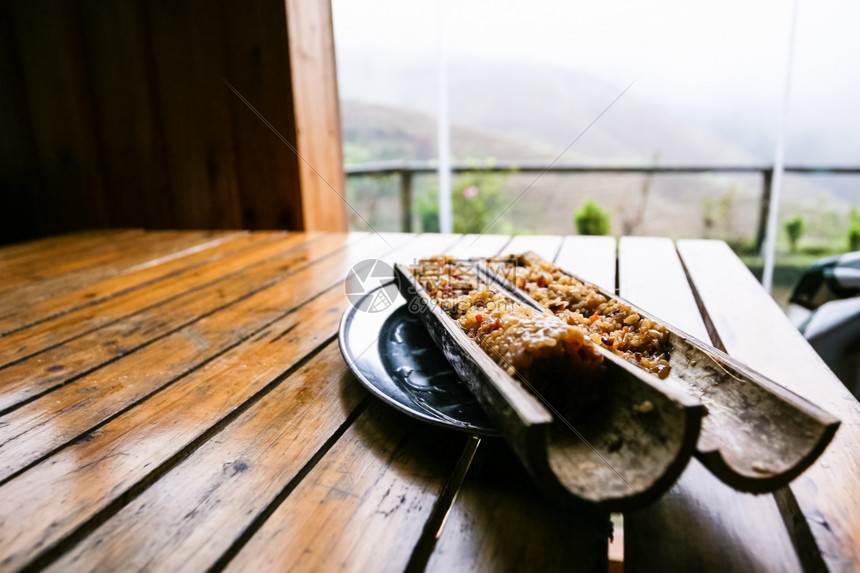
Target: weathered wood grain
pixel 751 327
pixel 148 247
pixel 64 260
pixel 39 426
pixel 153 424
pixel 589 257
pixel 363 506
pixel 104 464
pixel 162 268
pixel 700 523
pixel 500 522
pixel 222 455
pixel 546 247
pixel 48 248
pixel 189 517
pixel 194 112
pixel 117 47
pixel 267 259
pixel 258 67
pixel 146 319
pixel 316 111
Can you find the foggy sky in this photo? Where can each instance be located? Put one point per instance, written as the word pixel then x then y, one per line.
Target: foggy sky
pixel 721 64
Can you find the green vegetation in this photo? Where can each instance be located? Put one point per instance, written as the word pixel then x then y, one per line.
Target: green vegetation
pixel 716 206
pixel 476 201
pixel 794 228
pixel 854 231
pixel 718 214
pixel 590 219
pixel 427 206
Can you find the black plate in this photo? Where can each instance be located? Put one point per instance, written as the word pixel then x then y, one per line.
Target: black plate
pixel 391 353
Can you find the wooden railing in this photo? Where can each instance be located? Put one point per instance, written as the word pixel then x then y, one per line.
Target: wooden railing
pixel 406 169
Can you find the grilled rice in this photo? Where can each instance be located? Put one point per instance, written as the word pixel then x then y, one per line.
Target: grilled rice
pixel 542 352
pixel 606 321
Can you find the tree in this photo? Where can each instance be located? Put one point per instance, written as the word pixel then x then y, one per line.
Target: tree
pixel 590 219
pixel 794 228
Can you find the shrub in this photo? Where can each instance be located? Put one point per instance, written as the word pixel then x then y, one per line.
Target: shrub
pixel 854 231
pixel 590 219
pixel 794 228
pixel 476 200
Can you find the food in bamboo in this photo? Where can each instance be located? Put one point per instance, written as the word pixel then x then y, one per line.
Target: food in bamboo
pixel 556 360
pixel 605 320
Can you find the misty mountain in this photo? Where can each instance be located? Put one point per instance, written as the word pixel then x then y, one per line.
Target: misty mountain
pixel 516 111
pixel 547 107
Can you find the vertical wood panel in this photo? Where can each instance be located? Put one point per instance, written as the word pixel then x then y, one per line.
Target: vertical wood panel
pixel 258 67
pixel 116 114
pixel 54 81
pixel 115 37
pixel 19 214
pixel 317 112
pixel 189 65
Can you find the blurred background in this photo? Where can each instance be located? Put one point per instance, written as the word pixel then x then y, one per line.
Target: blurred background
pixel 525 80
pixel 656 119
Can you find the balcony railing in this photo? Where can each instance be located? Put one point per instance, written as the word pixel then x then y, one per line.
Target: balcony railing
pixel 405 170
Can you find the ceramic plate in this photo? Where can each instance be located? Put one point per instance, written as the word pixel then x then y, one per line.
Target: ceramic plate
pixel 390 352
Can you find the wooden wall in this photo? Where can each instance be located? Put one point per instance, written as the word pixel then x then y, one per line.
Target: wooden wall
pixel 115 113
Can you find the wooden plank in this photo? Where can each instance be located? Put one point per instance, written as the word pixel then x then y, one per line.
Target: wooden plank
pixel 751 327
pixel 479 246
pixel 38 247
pixel 316 110
pixel 148 247
pixel 363 506
pixel 165 423
pixel 428 245
pixel 163 315
pixel 149 272
pixel 120 457
pixel 650 275
pixel 50 333
pixel 68 256
pixel 500 522
pixel 545 246
pixel 271 462
pixel 67 269
pixel 700 523
pixel 589 257
pixel 189 517
pixel 36 428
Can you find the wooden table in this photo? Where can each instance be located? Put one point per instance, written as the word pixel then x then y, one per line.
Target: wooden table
pixel 177 400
